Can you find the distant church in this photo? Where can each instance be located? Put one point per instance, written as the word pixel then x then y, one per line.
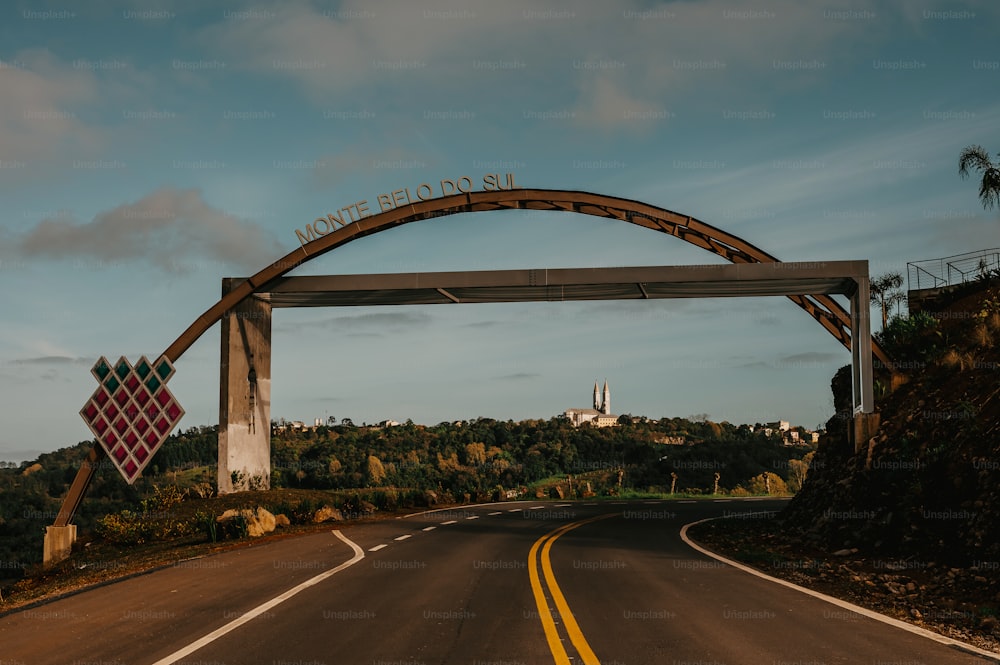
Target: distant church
pixel 600 415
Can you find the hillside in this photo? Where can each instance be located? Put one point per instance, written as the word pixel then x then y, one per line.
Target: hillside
pixel 927 486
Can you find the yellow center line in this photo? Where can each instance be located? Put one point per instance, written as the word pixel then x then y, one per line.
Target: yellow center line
pixel 545 614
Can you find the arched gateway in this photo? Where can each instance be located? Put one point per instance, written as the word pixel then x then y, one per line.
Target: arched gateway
pixel 246 320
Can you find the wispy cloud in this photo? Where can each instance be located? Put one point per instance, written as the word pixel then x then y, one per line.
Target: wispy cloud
pixel 367 323
pixel 52 360
pixel 623 64
pixel 518 376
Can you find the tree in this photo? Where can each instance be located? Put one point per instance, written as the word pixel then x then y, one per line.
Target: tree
pixel 884 293
pixel 376 471
pixel 976 158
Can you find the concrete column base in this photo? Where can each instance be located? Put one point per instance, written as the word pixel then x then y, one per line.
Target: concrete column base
pixel 245 405
pixel 58 544
pixel 864 428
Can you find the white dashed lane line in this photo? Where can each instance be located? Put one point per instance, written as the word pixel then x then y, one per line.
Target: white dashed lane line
pixel 449 522
pixel 377 548
pixel 473 517
pixel 404 536
pixel 499 512
pixel 514 510
pixel 429 528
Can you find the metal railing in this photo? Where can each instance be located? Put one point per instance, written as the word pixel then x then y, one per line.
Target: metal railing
pixel 934 273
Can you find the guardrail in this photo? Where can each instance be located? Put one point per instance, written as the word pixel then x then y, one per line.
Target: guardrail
pixel 949 270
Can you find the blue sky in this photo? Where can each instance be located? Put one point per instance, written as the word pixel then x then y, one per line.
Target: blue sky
pixel 149 149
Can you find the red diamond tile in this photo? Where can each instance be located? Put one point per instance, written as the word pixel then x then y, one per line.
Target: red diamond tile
pixel 151 439
pixel 163 397
pixel 141 425
pixel 100 426
pixel 101 397
pixel 162 426
pixel 121 397
pixel 131 439
pixel 90 412
pixel 121 425
pixel 131 468
pixel 142 396
pixel 120 454
pixel 131 412
pixel 111 412
pixel 110 439
pixel 131 383
pixel 173 411
pixel 141 454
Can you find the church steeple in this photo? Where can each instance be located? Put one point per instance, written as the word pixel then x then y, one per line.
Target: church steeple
pixel 597 397
pixel 606 404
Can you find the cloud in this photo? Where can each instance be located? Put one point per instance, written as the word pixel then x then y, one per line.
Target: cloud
pixel 518 376
pixel 41 106
pixel 806 359
pixel 364 322
pixel 165 229
pixel 622 64
pixel 52 360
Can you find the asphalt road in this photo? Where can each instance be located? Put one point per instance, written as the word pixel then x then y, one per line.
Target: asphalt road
pixel 502 584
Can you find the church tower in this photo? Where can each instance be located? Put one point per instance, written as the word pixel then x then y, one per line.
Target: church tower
pixel 606 404
pixel 597 398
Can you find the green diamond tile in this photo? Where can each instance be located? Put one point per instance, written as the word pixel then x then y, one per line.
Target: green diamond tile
pixel 152 383
pixel 164 369
pixel 122 369
pixel 142 368
pixel 101 369
pixel 112 383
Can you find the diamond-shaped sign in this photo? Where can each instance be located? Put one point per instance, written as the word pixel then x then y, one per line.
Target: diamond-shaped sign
pixel 132 411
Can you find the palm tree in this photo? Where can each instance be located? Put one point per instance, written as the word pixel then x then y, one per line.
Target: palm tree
pixel 976 158
pixel 883 292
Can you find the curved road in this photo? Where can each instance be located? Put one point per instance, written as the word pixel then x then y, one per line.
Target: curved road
pixel 499 584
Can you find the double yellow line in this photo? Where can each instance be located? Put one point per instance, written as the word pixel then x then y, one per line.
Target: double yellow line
pixel 544 612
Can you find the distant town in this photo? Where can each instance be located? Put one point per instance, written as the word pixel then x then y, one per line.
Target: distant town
pixel 599 415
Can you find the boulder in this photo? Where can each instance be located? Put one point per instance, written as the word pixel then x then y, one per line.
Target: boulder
pixel 281 521
pixel 328 514
pixel 258 521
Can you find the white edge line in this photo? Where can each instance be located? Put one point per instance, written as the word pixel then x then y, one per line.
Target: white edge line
pixel 864 611
pixel 359 554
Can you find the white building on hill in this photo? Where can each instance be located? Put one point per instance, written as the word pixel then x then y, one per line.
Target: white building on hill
pixel 600 415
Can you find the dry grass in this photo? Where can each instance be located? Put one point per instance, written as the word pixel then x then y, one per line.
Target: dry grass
pixel 981 337
pixel 959 360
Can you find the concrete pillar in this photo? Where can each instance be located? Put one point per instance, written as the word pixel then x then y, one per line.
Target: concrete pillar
pixel 245 406
pixel 58 544
pixel 864 427
pixel 861 349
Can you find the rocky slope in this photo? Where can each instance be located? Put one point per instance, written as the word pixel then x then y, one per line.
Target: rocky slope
pixel 926 487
